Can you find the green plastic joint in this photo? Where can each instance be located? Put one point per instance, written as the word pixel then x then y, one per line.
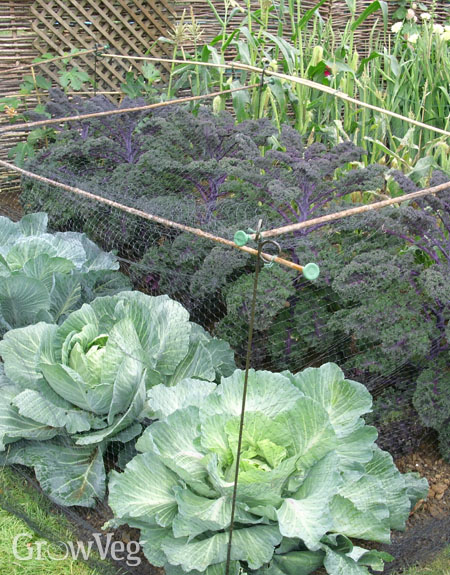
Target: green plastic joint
pixel 269 264
pixel 311 271
pixel 241 238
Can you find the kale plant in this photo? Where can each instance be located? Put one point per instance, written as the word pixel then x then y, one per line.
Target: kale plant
pixel 396 300
pixel 207 171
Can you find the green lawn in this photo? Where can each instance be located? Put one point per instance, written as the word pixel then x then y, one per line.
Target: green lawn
pixel 15 491
pixel 440 566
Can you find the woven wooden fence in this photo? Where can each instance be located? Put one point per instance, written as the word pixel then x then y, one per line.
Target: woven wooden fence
pixel 334 10
pixel 16 47
pixel 34 27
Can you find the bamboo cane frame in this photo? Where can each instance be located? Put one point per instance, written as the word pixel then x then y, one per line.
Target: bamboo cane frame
pixel 353 211
pixel 31 125
pixel 51 60
pixel 150 217
pixel 268 234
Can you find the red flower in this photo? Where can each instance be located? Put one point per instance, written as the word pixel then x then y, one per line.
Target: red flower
pixel 327 72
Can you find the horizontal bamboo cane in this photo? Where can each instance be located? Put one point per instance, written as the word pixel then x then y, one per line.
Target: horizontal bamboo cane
pixel 163 221
pixel 49 61
pixel 31 125
pixel 353 211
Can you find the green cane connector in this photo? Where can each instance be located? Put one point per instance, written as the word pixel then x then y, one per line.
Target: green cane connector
pixel 241 238
pixel 269 264
pixel 311 271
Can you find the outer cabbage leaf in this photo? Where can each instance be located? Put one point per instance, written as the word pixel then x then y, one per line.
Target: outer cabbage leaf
pixel 13 425
pixel 306 515
pixel 216 569
pixel 145 489
pixel 33 224
pixel 163 401
pixel 295 563
pixel 344 400
pixel 254 546
pixel 401 492
pixel 21 299
pixel 70 475
pixel 22 351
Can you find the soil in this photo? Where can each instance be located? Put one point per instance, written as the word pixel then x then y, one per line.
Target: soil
pixel 404 435
pixel 428 527
pixel 89 521
pixel 9 195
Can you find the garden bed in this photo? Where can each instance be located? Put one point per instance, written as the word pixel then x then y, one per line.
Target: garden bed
pixel 428 528
pixel 129 408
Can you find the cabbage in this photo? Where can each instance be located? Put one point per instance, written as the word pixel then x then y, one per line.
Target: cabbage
pixel 310 477
pixel 43 276
pixel 68 391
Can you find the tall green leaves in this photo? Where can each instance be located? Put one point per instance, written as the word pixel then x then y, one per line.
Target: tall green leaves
pixel 406 73
pixel 373 7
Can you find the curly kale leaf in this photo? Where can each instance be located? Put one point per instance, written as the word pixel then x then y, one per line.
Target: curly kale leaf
pixel 432 400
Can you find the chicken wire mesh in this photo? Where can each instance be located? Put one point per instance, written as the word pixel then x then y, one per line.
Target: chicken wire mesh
pixel 379 308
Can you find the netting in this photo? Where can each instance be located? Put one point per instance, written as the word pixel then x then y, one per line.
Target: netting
pixel 379 308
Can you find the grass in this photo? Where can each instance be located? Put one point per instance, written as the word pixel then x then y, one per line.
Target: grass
pixel 16 492
pixel 439 566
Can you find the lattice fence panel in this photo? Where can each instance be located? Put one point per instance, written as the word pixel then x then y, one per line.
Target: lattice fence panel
pixel 127 26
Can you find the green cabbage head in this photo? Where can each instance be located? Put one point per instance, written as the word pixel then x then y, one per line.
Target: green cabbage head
pixel 43 276
pixel 310 477
pixel 68 391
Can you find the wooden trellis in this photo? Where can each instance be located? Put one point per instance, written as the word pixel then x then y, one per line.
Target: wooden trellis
pixel 127 26
pixel 30 28
pixel 33 27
